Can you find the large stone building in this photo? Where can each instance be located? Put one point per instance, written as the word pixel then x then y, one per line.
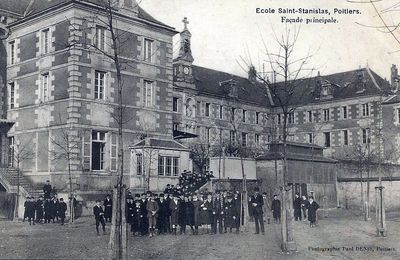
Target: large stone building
pixel 56 77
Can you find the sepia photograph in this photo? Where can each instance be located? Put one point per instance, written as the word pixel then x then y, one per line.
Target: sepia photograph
pixel 199 129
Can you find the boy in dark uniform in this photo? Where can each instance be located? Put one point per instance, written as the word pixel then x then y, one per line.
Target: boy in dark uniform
pixel 256 203
pixel 276 209
pixel 62 208
pixel 218 214
pixel 312 211
pixel 129 210
pixel 152 211
pixel 137 218
pixel 232 213
pixel 297 207
pixel 163 215
pixel 39 210
pixel 174 206
pixel 145 224
pixel 108 208
pixel 30 211
pixel 98 213
pixel 47 210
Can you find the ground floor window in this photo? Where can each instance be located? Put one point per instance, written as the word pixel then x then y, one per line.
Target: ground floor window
pixel 98 150
pixel 11 151
pixel 168 165
pixel 139 164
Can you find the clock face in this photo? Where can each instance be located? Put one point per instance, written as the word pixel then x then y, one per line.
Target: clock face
pixel 186 70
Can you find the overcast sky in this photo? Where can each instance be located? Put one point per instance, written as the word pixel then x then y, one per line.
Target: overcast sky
pixel 223 31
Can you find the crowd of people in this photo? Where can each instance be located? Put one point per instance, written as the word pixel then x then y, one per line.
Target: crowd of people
pixel 172 212
pixel 45 209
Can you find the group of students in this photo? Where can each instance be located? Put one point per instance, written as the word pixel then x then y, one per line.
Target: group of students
pixel 150 213
pixel 46 208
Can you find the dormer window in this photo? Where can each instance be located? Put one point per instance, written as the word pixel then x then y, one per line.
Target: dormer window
pixel 325 91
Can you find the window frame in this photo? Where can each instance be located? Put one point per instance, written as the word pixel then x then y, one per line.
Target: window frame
pixel 345 112
pixel 257 116
pixel 244 139
pixel 310 118
pixel 44 87
pixel 100 42
pixel 100 90
pixel 221 112
pixel 12 50
pixel 175 104
pixel 148 49
pixel 103 143
pixel 365 109
pixel 327 141
pixel 244 115
pixel 148 87
pixel 11 97
pixel 207 109
pixel 45 42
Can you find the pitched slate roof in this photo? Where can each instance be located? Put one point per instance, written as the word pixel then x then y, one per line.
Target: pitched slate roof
pixel 37 6
pixel 207 81
pixel 343 85
pixel 393 99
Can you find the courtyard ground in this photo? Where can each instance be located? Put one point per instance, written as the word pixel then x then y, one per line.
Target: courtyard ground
pixel 343 231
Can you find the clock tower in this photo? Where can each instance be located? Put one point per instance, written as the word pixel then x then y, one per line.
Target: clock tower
pixel 183 73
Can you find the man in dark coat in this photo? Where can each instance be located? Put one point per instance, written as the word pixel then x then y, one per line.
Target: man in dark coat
pixel 129 209
pixel 197 202
pixel 297 207
pixel 54 209
pixel 62 208
pixel 256 202
pixel 98 213
pixel 312 211
pixel 144 228
pixel 163 214
pixel 174 206
pixel 39 209
pixel 47 190
pixel 137 218
pixel 304 206
pixel 276 209
pixel 232 214
pixel 218 214
pixel 26 205
pixel 238 203
pixel 108 208
pixel 47 210
pixel 30 210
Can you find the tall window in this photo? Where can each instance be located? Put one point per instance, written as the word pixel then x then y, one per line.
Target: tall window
pixel 291 118
pixel 175 104
pixel 100 38
pixel 310 138
pixel 365 109
pixel 148 93
pixel 221 112
pixel 98 150
pixel 113 151
pixel 344 112
pixel 327 136
pixel 326 114
pixel 139 164
pixel 309 116
pixel 168 165
pixel 257 118
pixel 148 50
pixel 233 110
pixel 44 87
pixel 398 115
pixel 208 134
pixel 244 139
pixel 232 136
pixel 366 136
pixel 257 139
pixel 345 135
pixel 11 151
pixel 11 95
pixel 244 114
pixel 45 41
pixel 99 84
pixel 279 119
pixel 12 52
pixel 207 112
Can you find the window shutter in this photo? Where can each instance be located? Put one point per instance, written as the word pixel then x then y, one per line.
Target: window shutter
pixel 113 151
pixel 86 150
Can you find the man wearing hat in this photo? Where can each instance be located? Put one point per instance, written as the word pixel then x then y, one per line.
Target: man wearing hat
pixel 47 190
pixel 39 209
pixel 174 206
pixel 232 214
pixel 152 211
pixel 98 213
pixel 297 207
pixel 276 209
pixel 62 208
pixel 256 203
pixel 108 208
pixel 163 215
pixel 144 228
pixel 218 214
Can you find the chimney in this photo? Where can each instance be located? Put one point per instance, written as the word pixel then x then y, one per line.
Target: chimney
pixel 394 78
pixel 252 74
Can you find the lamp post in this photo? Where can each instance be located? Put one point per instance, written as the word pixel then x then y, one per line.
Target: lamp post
pixel 379 198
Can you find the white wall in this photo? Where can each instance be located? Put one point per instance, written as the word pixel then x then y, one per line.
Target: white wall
pixel 233 168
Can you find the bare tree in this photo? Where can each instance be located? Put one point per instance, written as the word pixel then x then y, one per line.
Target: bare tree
pixel 293 74
pixel 112 48
pixel 21 152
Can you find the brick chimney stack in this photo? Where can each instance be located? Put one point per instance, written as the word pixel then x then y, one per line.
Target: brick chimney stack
pixel 252 74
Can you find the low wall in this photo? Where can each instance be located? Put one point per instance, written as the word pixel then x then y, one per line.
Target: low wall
pixel 233 168
pixel 349 194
